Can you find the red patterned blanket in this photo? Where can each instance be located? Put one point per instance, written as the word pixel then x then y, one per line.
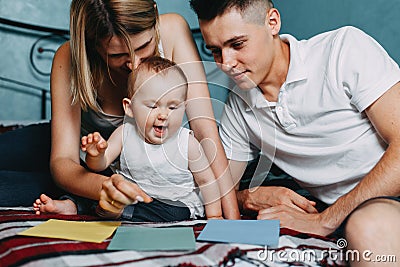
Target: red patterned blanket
pixel 295 249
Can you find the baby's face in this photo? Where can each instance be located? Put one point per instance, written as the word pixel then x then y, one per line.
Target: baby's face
pixel 159 106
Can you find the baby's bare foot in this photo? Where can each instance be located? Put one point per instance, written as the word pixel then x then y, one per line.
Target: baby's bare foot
pixel 45 204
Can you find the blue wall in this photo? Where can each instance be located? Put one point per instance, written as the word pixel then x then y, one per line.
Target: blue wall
pixel 301 18
pixel 378 18
pixel 17 101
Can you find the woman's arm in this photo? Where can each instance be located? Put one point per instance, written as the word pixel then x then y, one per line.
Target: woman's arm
pixel 179 46
pixel 65 133
pixel 204 177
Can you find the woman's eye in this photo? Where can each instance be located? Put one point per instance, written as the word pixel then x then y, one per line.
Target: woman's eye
pixel 118 55
pixel 172 107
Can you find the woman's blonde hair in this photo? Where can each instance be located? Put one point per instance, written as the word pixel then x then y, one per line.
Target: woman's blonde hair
pixel 92 21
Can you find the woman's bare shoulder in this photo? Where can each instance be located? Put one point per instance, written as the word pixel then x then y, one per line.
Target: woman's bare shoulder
pixel 173 30
pixel 63 53
pixel 169 20
pixel 172 25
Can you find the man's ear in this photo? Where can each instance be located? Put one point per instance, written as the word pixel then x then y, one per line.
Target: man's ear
pixel 127 104
pixel 273 21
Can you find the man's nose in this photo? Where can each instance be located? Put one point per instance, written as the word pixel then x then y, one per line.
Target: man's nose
pixel 228 61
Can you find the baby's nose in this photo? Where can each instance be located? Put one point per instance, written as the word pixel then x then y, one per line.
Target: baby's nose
pixel 162 116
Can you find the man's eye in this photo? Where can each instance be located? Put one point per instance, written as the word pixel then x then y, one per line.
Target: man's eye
pixel 238 44
pixel 152 107
pixel 172 107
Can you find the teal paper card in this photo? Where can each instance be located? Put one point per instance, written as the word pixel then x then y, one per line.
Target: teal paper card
pixel 150 239
pixel 254 232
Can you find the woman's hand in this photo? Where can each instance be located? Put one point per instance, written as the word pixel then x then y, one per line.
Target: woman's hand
pixel 117 192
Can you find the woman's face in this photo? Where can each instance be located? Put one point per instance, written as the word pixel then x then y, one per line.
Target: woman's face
pixel 116 54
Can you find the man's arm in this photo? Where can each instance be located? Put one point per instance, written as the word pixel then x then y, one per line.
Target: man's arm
pixel 382 180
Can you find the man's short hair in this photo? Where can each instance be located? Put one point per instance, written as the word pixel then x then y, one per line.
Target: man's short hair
pixel 209 9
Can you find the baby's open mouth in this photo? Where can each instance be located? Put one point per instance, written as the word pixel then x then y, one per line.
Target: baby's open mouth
pixel 159 129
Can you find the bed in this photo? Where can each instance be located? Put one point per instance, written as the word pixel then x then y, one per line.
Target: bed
pixel 294 249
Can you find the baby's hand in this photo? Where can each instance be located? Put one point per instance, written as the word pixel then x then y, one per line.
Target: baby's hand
pixel 93 144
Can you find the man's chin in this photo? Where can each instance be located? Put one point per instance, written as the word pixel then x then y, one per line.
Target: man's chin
pixel 245 85
pixel 244 82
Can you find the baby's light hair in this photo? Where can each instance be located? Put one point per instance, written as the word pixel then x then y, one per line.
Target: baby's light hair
pixel 156 65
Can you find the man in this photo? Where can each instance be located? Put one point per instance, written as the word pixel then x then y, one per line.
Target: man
pixel 324 110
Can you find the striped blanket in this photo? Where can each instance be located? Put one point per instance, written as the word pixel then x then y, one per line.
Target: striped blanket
pixel 295 249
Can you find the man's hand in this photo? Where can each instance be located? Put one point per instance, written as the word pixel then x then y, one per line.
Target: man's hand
pixel 270 196
pixel 294 219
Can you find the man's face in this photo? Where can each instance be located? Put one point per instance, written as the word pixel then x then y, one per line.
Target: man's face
pixel 243 50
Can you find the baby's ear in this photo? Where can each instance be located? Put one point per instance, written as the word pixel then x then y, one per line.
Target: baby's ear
pixel 127 104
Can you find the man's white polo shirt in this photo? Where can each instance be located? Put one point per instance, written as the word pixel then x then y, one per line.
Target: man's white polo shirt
pixel 317 132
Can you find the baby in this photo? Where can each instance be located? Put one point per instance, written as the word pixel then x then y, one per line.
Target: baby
pixel 163 158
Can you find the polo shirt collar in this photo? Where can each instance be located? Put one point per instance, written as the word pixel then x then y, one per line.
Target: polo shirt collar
pixel 297 68
pixel 297 72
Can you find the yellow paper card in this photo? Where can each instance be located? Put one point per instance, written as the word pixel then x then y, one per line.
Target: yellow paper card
pixel 95 232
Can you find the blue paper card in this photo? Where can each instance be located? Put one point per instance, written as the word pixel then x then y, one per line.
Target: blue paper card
pixel 149 239
pixel 254 232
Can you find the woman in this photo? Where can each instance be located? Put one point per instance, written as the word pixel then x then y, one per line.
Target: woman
pixel 89 76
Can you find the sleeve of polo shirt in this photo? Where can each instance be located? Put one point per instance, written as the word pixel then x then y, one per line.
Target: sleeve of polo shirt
pixel 366 68
pixel 233 131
